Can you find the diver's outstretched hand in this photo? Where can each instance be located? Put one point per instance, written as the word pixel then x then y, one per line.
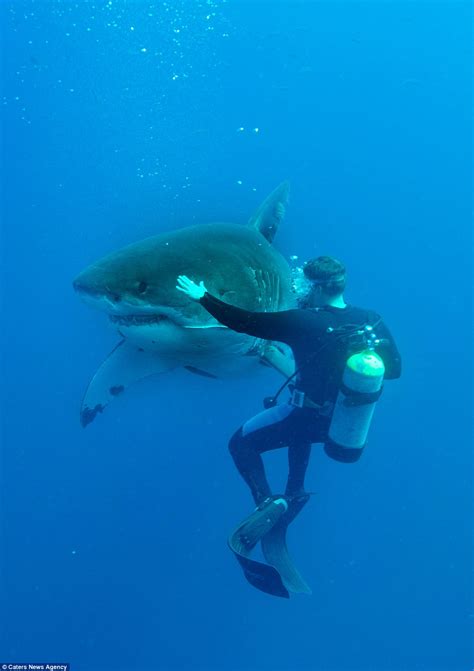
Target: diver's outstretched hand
pixel 190 288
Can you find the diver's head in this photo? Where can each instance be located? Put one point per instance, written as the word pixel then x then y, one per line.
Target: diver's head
pixel 327 278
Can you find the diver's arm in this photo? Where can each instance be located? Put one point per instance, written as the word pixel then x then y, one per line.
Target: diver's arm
pixel 267 325
pixel 389 353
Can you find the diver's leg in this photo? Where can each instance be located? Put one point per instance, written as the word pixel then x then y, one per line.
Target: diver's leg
pixel 268 430
pixel 311 428
pixel 249 463
pixel 298 460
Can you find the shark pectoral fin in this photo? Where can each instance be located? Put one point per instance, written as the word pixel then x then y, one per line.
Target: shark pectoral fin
pixel 124 366
pixel 278 357
pixel 271 212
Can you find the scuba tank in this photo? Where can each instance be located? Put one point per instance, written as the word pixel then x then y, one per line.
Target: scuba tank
pixel 355 403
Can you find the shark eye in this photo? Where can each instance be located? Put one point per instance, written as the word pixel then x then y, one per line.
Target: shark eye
pixel 142 287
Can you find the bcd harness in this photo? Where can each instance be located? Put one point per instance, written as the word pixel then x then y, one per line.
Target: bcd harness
pixel 355 338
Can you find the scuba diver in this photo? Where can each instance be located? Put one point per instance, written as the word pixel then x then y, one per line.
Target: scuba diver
pixel 323 332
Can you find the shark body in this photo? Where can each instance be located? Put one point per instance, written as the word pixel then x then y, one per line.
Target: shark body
pixel 161 328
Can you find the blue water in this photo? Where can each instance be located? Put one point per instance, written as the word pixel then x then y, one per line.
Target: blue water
pixel 123 120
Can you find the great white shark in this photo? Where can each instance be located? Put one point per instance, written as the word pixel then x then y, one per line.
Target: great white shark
pixel 161 328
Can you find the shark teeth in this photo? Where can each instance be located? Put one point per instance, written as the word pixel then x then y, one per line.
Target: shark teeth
pixel 137 320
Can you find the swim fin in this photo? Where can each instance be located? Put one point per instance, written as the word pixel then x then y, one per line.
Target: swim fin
pixel 262 576
pixel 252 528
pixel 276 552
pixel 246 536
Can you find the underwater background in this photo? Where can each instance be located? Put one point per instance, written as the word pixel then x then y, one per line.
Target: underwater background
pixel 122 120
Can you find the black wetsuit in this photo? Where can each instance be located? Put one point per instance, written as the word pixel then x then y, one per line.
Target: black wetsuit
pixel 320 354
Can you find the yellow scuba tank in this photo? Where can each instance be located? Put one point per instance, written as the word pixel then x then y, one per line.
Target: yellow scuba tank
pixel 355 404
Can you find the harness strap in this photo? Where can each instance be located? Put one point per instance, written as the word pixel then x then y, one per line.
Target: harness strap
pixel 354 397
pixel 300 399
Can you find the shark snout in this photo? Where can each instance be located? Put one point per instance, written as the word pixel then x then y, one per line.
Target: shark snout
pixel 84 288
pixel 80 287
pixel 87 290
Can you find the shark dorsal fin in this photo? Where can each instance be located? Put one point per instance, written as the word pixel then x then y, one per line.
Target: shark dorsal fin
pixel 271 212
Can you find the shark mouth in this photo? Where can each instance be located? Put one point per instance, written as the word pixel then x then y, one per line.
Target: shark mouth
pixel 150 320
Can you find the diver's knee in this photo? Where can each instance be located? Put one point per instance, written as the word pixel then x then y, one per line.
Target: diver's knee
pixel 235 443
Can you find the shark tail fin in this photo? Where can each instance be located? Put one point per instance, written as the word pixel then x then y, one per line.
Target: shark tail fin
pixel 271 212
